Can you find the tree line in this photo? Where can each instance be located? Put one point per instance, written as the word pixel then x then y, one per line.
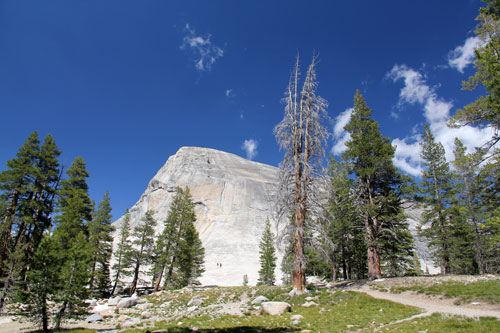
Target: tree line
pixel 56 246
pixel 348 219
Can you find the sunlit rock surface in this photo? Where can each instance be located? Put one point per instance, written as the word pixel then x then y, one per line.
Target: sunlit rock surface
pixel 233 197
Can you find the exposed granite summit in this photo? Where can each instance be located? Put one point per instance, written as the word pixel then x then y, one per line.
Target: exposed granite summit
pixel 233 197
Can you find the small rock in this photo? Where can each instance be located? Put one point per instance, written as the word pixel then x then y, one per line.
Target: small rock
pixel 310 298
pixel 306 331
pixel 92 302
pixel 350 326
pixel 93 318
pixel 114 301
pixel 141 300
pixel 475 303
pixel 127 303
pixel 275 308
pixel 179 323
pixel 197 300
pixel 260 299
pixel 295 322
pixel 130 322
pixel 144 306
pixel 296 317
pixel 308 304
pixel 122 318
pixel 146 315
pixel 192 308
pixel 107 315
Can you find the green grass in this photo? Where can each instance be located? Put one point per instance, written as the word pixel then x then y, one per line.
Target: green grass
pixel 486 291
pixel 336 312
pixel 439 323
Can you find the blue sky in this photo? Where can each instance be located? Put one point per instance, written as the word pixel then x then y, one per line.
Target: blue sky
pixel 125 84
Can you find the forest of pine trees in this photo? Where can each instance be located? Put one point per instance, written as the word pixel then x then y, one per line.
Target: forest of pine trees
pixel 56 246
pixel 362 209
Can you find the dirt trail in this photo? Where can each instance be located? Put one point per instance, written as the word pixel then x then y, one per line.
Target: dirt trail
pixel 433 304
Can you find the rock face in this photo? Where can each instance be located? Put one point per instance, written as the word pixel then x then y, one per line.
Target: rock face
pixel 233 198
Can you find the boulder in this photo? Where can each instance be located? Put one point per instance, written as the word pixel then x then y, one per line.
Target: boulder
pixel 296 317
pixel 113 301
pixel 195 301
pixel 93 318
pixel 275 308
pixel 126 303
pixel 259 299
pixel 146 315
pixel 144 306
pixel 309 304
pixel 130 322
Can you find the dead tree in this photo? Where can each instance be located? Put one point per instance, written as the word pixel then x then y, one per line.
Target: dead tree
pixel 302 134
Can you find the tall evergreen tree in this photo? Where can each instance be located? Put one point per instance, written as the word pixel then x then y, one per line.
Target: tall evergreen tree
pixel 101 240
pixel 302 134
pixel 437 189
pixel 183 258
pixel 267 257
pixel 71 241
pixel 122 253
pixel 340 231
pixel 142 253
pixel 41 284
pixel 468 201
pixel 486 109
pixel 379 186
pixel 27 191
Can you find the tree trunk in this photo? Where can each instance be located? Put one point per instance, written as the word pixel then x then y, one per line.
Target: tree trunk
pixel 136 278
pixel 158 279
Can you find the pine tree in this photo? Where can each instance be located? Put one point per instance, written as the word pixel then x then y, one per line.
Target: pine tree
pixel 302 134
pixel 71 241
pixel 486 109
pixel 15 184
pixel 267 257
pixel 142 253
pixel 41 284
pixel 438 193
pixel 379 186
pixel 74 278
pixel 179 251
pixel 468 201
pixel 340 235
pixel 122 253
pixel 100 230
pixel 29 186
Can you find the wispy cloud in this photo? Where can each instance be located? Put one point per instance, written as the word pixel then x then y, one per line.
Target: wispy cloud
pixel 463 55
pixel 230 93
pixel 204 51
pixel 340 135
pixel 436 112
pixel 250 147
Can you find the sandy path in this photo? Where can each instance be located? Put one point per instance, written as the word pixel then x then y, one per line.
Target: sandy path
pixel 432 304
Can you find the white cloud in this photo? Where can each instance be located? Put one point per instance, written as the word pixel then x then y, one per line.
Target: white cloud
pixel 204 51
pixel 436 113
pixel 229 93
pixel 415 89
pixel 340 135
pixel 250 147
pixel 463 55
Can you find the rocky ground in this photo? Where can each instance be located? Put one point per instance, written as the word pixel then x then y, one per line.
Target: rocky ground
pixel 117 314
